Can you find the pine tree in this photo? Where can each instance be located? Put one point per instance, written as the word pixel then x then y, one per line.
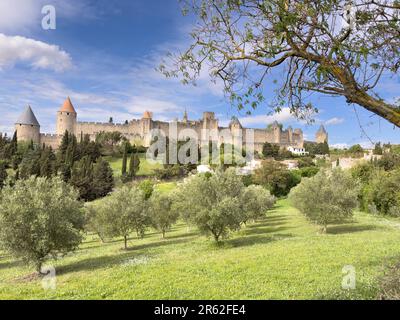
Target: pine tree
pixel 134 165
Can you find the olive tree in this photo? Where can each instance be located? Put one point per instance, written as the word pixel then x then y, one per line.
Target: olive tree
pixel 328 197
pixel 256 200
pixel 335 47
pixel 220 203
pixel 40 218
pixel 121 213
pixel 162 215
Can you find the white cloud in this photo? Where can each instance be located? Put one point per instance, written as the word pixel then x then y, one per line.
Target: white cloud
pixel 282 117
pixel 334 121
pixel 39 55
pixel 17 17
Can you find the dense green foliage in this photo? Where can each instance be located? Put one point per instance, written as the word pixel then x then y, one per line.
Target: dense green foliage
pixel 40 218
pixel 328 197
pixel 162 215
pixel 220 203
pixel 121 213
pixel 276 177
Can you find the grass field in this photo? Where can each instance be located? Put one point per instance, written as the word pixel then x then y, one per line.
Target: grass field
pixel 281 257
pixel 146 168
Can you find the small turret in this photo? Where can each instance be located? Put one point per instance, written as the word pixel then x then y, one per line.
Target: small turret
pixel 66 118
pixel 185 117
pixel 27 127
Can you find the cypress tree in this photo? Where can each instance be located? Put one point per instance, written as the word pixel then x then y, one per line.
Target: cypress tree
pixel 103 181
pixel 82 178
pixel 3 173
pixel 124 161
pixel 134 164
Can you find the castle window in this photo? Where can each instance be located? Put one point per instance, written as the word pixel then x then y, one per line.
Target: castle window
pixel 67 113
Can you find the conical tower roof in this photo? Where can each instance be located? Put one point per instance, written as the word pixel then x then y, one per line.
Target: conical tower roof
pixel 67 106
pixel 321 129
pixel 28 118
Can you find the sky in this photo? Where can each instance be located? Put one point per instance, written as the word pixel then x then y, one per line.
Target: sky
pixel 103 54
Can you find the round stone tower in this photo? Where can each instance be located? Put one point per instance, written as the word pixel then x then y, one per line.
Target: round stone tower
pixel 66 118
pixel 27 127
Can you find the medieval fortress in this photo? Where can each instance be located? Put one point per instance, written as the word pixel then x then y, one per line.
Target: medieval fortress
pixel 139 131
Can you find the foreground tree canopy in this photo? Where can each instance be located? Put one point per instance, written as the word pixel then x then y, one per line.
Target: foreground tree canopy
pixel 40 218
pixel 339 48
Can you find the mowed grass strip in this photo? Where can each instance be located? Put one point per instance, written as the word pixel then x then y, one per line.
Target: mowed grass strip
pixel 281 257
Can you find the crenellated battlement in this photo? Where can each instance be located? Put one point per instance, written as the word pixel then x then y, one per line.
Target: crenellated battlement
pixel 139 129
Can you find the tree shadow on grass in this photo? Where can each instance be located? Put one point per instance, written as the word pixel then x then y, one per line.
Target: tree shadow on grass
pixel 253 240
pixel 113 260
pixel 264 230
pixel 350 228
pixel 10 264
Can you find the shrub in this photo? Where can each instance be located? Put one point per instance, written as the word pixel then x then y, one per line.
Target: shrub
pixel 328 197
pixel 276 177
pixel 40 218
pixel 147 186
pixel 389 161
pixel 383 192
pixel 308 172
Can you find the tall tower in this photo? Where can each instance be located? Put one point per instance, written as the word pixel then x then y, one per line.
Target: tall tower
pixel 27 127
pixel 237 131
pixel 321 136
pixel 66 118
pixel 276 129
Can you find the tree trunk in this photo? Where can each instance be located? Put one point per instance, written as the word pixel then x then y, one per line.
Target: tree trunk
pixel 163 234
pixel 125 242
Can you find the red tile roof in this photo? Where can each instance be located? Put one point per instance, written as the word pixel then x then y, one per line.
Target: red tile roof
pixel 67 106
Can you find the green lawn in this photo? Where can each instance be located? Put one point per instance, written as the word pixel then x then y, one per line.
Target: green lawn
pixel 282 257
pixel 146 168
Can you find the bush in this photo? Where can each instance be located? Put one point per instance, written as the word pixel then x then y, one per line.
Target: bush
pixel 389 161
pixel 308 172
pixel 329 197
pixel 40 218
pixel 276 177
pixel 383 193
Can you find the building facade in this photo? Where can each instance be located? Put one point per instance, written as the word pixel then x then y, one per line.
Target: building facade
pixel 138 131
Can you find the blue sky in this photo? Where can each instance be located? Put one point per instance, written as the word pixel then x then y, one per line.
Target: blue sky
pixel 103 54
